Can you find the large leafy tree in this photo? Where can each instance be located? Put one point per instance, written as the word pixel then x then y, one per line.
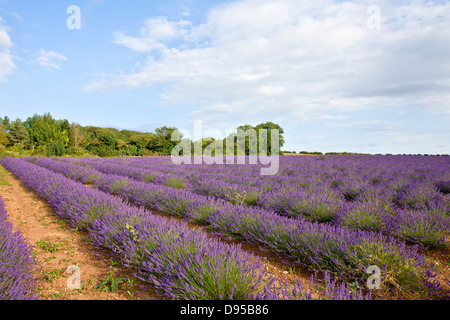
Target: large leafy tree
pixel 138 143
pixel 6 122
pixel 250 136
pixel 18 133
pixel 162 141
pixel 246 135
pixel 76 138
pixel 103 141
pixel 269 127
pixel 45 130
pixel 140 140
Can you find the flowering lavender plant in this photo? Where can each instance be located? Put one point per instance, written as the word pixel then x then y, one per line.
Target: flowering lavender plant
pixel 18 267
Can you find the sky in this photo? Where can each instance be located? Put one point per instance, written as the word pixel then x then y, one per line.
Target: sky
pixel 357 76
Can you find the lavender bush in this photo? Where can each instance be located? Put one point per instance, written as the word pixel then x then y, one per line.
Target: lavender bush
pixel 427 228
pixel 18 267
pixel 443 186
pixel 369 216
pixel 313 205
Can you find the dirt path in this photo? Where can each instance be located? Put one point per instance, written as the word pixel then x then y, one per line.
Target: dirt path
pixel 57 247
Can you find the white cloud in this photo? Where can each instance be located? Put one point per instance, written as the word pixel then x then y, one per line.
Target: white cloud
pixel 186 12
pixel 153 35
pixel 300 59
pixel 271 89
pixel 332 117
pixel 137 44
pixel 17 16
pixel 7 65
pixel 50 59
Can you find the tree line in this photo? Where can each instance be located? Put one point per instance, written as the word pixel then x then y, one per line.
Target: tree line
pixel 43 135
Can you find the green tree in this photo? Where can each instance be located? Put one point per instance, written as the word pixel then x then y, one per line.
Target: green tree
pixel 269 126
pixel 76 138
pixel 250 140
pixel 138 143
pixel 45 130
pixel 56 149
pixel 18 134
pixel 141 141
pixel 103 142
pixel 107 138
pixel 64 135
pixel 162 141
pixel 6 122
pixel 211 146
pixel 4 141
pixel 250 136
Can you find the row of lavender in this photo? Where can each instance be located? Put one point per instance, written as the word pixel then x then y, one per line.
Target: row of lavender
pixel 345 252
pixel 415 212
pixel 348 177
pixel 180 262
pixel 197 181
pixel 373 169
pixel 18 277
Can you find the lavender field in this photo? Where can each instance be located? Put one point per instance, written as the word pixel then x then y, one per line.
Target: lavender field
pixel 333 215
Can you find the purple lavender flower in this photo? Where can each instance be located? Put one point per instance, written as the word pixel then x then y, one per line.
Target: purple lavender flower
pixel 18 268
